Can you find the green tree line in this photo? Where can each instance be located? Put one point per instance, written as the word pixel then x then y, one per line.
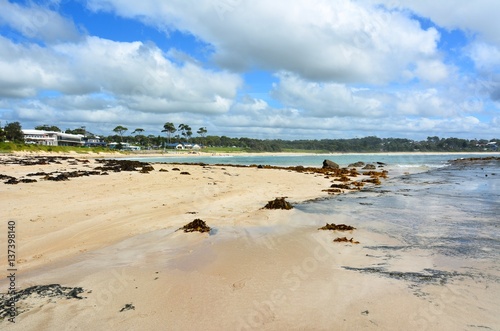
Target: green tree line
pixel 183 133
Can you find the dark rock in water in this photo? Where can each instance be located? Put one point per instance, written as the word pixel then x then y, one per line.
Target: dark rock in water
pixel 337 227
pixel 356 164
pixel 327 164
pixel 128 306
pixel 278 203
pixel 345 240
pixel 381 163
pixel 196 225
pixel 369 167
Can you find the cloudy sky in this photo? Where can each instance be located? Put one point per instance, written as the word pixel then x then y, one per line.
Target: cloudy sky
pixel 255 68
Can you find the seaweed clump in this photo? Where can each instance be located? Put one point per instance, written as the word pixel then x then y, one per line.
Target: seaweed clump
pixel 278 203
pixel 345 240
pixel 337 227
pixel 196 225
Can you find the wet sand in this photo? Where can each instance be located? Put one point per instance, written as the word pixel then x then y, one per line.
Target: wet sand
pixel 115 237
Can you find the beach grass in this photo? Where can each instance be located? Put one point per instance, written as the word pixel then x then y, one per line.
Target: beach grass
pixel 8 147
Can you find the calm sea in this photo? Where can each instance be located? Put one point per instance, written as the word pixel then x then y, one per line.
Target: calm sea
pixel 395 160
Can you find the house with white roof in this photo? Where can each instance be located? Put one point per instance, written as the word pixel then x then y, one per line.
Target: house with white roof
pixel 52 138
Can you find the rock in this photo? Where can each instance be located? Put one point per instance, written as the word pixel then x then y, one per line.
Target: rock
pixel 327 164
pixel 369 167
pixel 278 203
pixel 356 164
pixel 185 173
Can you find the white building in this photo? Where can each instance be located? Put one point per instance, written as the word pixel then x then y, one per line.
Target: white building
pixel 52 138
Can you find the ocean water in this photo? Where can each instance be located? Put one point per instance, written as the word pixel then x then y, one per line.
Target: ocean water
pixel 424 161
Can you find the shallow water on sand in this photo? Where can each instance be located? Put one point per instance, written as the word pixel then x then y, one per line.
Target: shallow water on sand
pixel 451 214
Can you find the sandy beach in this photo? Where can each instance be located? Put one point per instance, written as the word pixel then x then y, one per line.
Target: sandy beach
pixel 115 236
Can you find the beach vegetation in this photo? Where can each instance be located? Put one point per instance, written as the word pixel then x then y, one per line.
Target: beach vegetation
pixel 46 127
pixel 13 132
pixel 9 146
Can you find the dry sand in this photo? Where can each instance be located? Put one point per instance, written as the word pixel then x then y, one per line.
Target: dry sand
pixel 115 236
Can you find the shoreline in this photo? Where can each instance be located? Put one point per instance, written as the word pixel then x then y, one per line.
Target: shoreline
pixel 218 154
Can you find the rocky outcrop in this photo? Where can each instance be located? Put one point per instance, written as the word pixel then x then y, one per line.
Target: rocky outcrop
pixel 328 164
pixel 356 164
pixel 369 167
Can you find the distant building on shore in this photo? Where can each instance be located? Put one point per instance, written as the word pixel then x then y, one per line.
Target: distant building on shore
pixel 94 141
pixel 124 146
pixel 52 138
pixel 183 146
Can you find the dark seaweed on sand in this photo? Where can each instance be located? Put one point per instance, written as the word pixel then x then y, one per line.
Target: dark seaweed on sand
pixel 196 225
pixel 278 203
pixel 337 227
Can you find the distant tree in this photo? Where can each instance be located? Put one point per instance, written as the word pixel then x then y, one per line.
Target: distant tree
pixel 186 131
pixel 120 130
pixel 202 132
pixel 81 131
pixel 46 127
pixel 138 130
pixel 169 129
pixel 13 132
pixel 2 134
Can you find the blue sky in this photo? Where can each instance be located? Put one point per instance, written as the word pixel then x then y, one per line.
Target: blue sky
pixel 280 69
